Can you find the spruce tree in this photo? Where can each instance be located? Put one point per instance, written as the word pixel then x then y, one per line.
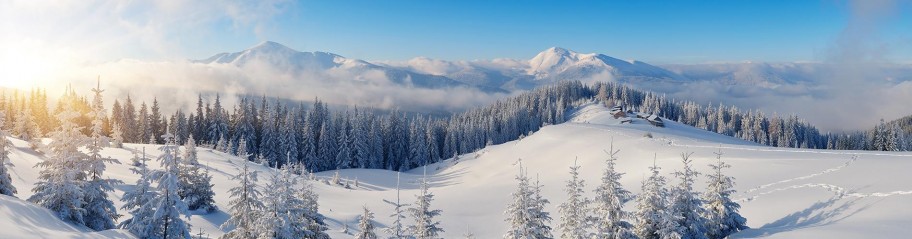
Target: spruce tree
pixel 310 207
pixel 137 200
pixel 166 222
pixel 425 227
pixel 526 214
pixel 100 212
pixel 686 205
pixel 244 206
pixel 574 221
pixel 117 139
pixel 6 182
pixel 366 226
pixel 609 220
pixel 722 217
pixel 60 188
pixel 654 220
pixel 395 230
pixel 195 186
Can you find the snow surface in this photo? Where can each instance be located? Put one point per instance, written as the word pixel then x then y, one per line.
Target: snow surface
pixel 784 193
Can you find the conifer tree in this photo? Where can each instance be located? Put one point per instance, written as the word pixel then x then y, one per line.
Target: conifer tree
pixel 117 139
pixel 396 230
pixel 610 196
pixel 136 202
pixel 100 212
pixel 526 214
pixel 315 225
pixel 654 221
pixel 686 205
pixel 60 188
pixel 574 221
pixel 6 182
pixel 195 186
pixel 166 222
pixel 366 226
pixel 425 227
pixel 722 217
pixel 244 206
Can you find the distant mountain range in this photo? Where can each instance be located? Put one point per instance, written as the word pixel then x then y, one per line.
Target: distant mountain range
pixel 549 66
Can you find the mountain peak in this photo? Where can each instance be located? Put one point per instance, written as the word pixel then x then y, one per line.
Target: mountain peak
pixel 552 59
pixel 270 46
pixel 558 51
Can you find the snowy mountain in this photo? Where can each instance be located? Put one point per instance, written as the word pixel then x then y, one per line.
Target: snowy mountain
pixel 549 66
pixel 560 64
pixel 784 193
pixel 279 58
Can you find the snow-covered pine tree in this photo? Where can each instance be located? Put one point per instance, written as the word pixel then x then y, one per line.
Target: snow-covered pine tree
pixel 26 128
pixel 269 138
pixel 654 221
pixel 525 213
pixel 540 217
pixel 396 230
pixel 117 139
pixel 722 217
pixel 60 188
pixel 100 212
pixel 902 143
pixel 137 202
pixel 360 145
pixel 310 207
pixel 290 140
pixel 195 186
pixel 326 148
pixel 166 222
pixel 686 205
pixel 22 124
pixel 366 226
pixel 344 157
pixel 242 150
pixel 336 179
pixel 6 182
pixel 275 220
pixel 610 196
pixel 425 227
pixel 518 210
pixel 574 221
pixel 222 144
pixel 244 206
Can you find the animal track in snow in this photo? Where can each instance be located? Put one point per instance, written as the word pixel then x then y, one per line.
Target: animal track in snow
pixel 830 170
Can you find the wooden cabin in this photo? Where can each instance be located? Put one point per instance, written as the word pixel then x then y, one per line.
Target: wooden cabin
pixel 619 114
pixel 655 121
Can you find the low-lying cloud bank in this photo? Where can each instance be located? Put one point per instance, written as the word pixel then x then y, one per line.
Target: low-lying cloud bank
pixel 177 85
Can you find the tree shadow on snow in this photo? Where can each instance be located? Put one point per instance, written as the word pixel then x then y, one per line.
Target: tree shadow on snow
pixel 822 213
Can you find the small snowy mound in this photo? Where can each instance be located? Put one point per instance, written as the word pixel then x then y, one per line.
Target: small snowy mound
pixel 26 220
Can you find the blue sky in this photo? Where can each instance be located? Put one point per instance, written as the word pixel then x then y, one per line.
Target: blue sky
pixel 652 31
pixel 655 31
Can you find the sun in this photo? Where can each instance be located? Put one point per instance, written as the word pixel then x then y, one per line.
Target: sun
pixel 25 66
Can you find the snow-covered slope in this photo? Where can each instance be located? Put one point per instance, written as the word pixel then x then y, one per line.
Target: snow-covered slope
pixel 21 219
pixel 784 193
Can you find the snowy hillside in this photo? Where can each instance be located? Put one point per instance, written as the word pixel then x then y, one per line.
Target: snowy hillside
pixel 784 193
